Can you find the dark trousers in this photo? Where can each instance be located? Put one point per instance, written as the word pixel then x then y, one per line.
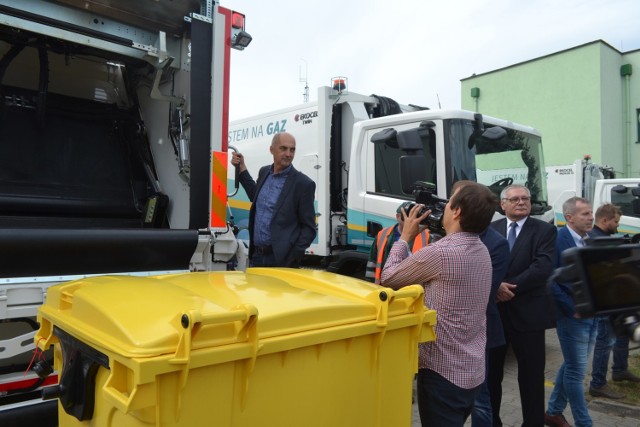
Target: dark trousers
pixel 269 260
pixel 259 260
pixel 528 348
pixel 482 415
pixel 442 403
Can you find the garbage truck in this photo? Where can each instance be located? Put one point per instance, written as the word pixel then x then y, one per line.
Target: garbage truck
pixel 113 157
pixel 598 184
pixel 367 154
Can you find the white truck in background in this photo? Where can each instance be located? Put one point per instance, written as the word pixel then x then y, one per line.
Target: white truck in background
pixel 113 156
pixel 597 184
pixel 366 152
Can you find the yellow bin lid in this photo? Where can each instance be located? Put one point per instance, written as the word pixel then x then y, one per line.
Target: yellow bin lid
pixel 146 316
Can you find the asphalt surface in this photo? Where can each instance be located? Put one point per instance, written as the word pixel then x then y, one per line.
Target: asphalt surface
pixel 604 412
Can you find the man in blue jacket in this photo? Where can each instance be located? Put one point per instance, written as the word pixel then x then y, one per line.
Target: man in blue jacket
pixel 498 247
pixel 282 219
pixel 576 334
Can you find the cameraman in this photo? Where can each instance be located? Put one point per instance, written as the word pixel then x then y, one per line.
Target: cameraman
pixel 456 274
pixel 385 240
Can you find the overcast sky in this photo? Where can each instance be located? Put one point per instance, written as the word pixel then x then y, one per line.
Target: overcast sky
pixel 414 51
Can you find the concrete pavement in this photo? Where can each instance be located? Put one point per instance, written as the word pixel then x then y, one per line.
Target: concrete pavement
pixel 604 412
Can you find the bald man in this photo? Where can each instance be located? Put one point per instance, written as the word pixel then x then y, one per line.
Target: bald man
pixel 282 220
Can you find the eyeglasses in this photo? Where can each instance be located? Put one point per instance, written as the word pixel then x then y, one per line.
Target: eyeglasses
pixel 516 200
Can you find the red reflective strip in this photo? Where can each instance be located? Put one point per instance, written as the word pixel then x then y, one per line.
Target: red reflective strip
pixel 420 242
pixel 15 385
pixel 383 235
pixel 224 131
pixel 218 189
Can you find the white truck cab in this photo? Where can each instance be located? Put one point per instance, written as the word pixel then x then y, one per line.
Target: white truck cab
pixel 366 154
pixel 597 184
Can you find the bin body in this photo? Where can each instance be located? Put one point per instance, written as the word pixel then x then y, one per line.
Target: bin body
pixel 269 347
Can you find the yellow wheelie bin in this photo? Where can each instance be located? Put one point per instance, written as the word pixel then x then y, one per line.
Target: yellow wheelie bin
pixel 269 347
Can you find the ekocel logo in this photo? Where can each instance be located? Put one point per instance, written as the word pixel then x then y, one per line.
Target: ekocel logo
pixel 306 118
pixel 564 171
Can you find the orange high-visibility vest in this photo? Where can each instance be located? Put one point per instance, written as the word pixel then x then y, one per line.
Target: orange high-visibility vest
pixel 381 242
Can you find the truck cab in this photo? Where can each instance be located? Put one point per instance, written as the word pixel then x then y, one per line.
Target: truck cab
pixel 366 152
pixel 440 148
pixel 598 184
pixel 624 193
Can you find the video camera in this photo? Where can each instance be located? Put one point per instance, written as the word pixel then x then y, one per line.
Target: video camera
pixel 605 280
pixel 424 195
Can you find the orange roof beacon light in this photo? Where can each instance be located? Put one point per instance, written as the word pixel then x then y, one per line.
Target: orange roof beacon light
pixel 339 84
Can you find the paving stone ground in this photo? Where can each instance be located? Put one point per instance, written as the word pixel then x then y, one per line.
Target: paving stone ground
pixel 604 412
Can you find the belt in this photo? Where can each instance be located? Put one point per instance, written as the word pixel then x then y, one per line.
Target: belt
pixel 263 250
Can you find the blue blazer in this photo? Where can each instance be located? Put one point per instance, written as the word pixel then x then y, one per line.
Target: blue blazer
pixel 293 227
pixel 562 292
pixel 499 251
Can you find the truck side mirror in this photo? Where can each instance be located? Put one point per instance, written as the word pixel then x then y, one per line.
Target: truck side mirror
pixel 635 204
pixel 410 142
pixel 621 189
pixel 494 133
pixel 411 170
pixel 478 128
pixel 386 136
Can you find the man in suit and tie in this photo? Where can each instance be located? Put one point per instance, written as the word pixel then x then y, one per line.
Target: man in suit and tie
pixel 524 304
pixel 282 220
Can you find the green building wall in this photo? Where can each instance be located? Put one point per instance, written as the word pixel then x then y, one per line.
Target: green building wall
pixel 576 98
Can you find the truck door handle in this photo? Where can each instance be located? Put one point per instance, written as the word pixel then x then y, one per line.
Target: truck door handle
pixel 237 175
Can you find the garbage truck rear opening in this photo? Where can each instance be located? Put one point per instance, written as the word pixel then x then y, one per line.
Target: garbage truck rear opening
pixel 113 129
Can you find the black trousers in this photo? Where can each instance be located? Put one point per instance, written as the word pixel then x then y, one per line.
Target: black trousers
pixel 529 349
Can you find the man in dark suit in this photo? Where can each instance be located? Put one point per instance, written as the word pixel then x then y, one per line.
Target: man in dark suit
pixel 498 247
pixel 282 220
pixel 524 304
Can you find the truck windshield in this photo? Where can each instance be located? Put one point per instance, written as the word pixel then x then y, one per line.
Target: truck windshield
pixel 515 158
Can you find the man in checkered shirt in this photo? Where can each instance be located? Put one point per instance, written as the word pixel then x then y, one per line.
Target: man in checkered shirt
pixel 456 274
